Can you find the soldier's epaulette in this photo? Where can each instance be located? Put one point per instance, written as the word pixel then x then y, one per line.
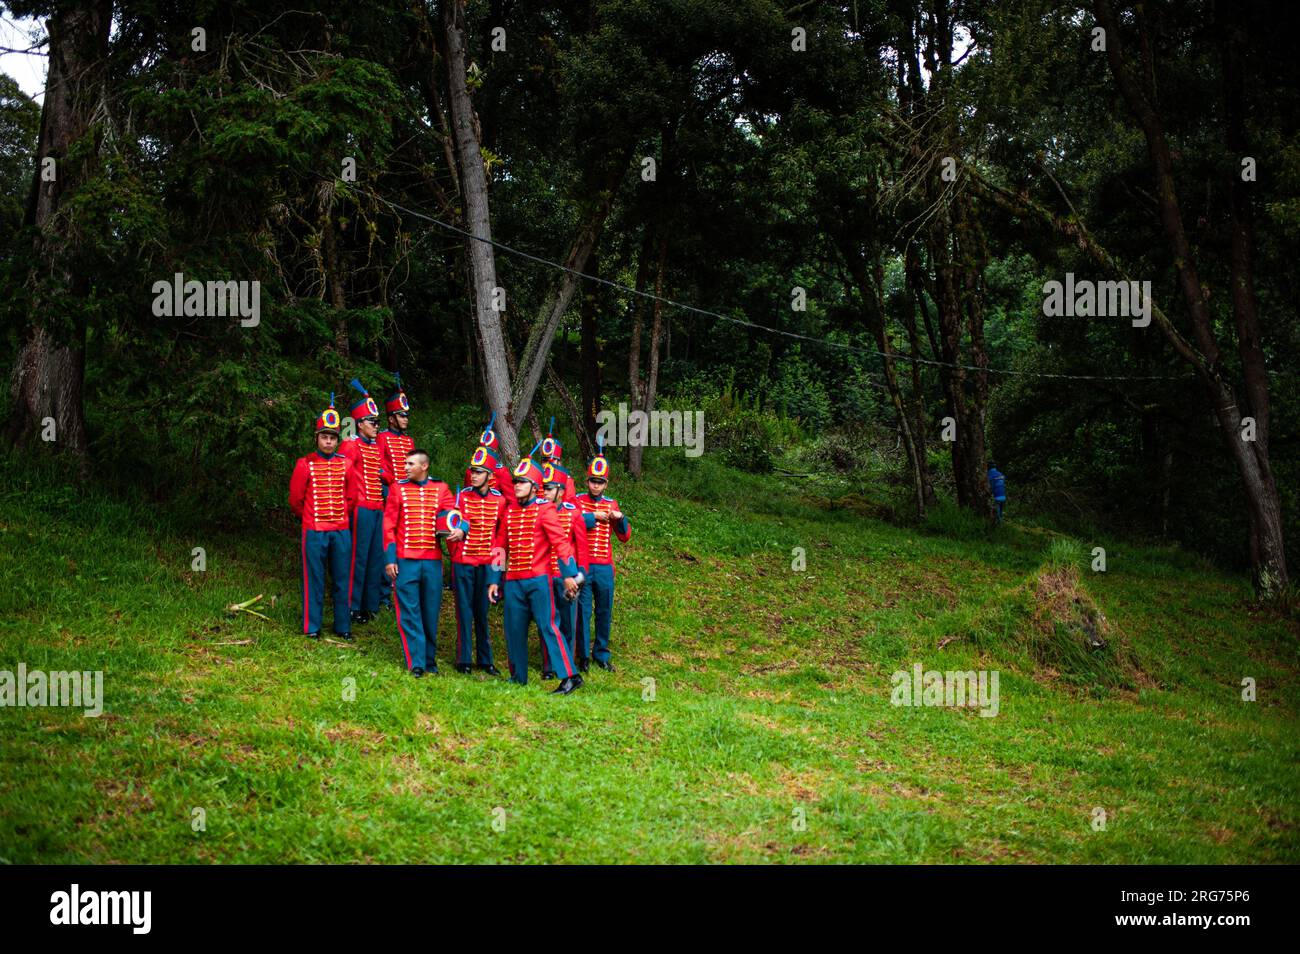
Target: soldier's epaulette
pixel 405 480
pixel 493 490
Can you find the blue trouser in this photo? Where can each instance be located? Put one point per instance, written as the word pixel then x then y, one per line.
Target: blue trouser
pixel 367 559
pixel 418 593
pixel 567 611
pixel 318 548
pixel 599 589
pixel 532 599
pixel 470 585
pixel 1001 502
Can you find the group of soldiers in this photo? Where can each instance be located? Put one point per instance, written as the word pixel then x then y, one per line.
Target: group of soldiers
pixel 374 519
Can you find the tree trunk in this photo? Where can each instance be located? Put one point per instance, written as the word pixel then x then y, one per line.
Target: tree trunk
pixel 638 316
pixel 648 387
pixel 586 445
pixel 542 333
pixel 870 291
pixel 1263 506
pixel 947 283
pixel 48 376
pixel 591 387
pixel 918 405
pixel 496 372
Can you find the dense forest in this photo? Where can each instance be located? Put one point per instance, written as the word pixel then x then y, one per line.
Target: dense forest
pixel 830 226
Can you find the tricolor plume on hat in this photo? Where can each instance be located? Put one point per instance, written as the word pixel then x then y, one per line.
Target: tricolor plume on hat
pixel 489 437
pixel 329 418
pixel 599 466
pixel 527 469
pixel 397 402
pixel 366 406
pixel 551 447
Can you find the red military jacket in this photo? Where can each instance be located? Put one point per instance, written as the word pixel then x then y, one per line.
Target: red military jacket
pixel 598 544
pixel 411 518
pixel 527 534
pixel 368 458
pixel 323 491
pixel 482 511
pixel 574 524
pixel 394 447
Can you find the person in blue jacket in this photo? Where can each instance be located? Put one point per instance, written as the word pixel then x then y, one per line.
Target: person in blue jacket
pixel 998 488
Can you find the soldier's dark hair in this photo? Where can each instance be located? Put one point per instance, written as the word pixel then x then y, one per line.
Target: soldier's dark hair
pixel 423 453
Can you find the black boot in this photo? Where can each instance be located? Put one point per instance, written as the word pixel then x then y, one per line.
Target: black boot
pixel 567 686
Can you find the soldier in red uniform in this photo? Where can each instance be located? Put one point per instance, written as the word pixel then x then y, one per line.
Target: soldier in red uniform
pixel 322 492
pixel 501 475
pixel 394 445
pixel 367 518
pixel 575 524
pixel 600 560
pixel 552 451
pixel 527 535
pixel 418 510
pixel 481 504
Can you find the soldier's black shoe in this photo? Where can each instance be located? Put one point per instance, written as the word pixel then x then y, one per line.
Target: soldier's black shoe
pixel 583 663
pixel 362 617
pixel 490 669
pixel 315 635
pixel 567 686
pixel 344 636
pixel 464 668
pixel 432 670
pixel 417 672
pixel 548 674
pixel 606 665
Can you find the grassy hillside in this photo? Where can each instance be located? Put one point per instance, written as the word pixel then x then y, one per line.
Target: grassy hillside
pixel 771 700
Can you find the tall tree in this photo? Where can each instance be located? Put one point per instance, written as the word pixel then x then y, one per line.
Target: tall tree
pixel 1249 451
pixel 49 374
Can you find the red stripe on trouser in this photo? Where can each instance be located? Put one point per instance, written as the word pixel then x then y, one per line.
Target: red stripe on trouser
pixel 397 611
pixel 306 589
pixel 564 650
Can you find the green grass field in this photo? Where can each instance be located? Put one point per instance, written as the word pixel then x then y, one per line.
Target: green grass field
pixel 770 735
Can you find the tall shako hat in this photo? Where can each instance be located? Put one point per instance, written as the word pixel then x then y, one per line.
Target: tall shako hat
pixel 329 418
pixel 489 437
pixel 550 446
pixel 484 458
pixel 599 466
pixel 397 402
pixel 526 469
pixel 550 477
pixel 366 407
